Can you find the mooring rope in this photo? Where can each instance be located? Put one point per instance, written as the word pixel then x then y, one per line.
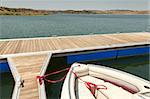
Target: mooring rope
pixel 91 86
pixel 41 78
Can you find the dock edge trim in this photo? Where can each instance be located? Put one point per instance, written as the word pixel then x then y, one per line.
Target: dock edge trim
pixel 42 92
pixel 17 78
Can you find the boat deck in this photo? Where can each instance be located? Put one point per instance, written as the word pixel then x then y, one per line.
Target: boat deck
pixel 29 66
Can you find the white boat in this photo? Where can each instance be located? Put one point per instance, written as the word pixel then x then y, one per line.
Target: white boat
pixel 87 81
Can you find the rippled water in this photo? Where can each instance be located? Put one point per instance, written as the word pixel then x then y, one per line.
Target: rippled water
pixel 66 24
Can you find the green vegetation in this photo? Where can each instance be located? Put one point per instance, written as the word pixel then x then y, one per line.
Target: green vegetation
pixel 21 11
pixel 24 11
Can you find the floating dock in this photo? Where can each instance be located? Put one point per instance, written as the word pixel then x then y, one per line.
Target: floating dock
pixel 68 43
pixel 28 68
pixel 28 58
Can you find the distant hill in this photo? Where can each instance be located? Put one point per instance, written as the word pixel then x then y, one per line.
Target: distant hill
pixel 24 11
pixel 21 11
pixel 105 12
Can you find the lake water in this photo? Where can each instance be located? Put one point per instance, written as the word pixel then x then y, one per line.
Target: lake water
pixel 68 24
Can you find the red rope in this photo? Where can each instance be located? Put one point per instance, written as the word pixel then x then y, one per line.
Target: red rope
pixel 91 86
pixel 55 81
pixel 41 78
pixel 56 72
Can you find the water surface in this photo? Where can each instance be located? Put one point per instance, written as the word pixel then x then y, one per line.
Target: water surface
pixel 70 24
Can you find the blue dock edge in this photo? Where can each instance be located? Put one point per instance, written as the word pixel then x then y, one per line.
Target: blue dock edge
pixel 108 54
pixel 4 67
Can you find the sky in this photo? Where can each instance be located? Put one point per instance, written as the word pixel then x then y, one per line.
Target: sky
pixel 78 4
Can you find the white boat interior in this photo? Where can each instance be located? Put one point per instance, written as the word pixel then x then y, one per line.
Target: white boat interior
pixel 99 82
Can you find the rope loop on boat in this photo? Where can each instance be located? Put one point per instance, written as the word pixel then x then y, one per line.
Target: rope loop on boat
pixel 91 86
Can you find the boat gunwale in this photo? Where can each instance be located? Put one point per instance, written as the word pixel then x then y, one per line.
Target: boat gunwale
pixel 140 88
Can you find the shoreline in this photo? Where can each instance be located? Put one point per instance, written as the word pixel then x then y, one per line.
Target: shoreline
pixel 72 14
pixel 32 12
pixel 76 14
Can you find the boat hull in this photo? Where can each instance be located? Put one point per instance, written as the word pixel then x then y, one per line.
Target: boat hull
pixel 136 87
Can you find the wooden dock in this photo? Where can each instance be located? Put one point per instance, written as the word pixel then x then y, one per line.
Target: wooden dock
pixel 71 42
pixel 29 66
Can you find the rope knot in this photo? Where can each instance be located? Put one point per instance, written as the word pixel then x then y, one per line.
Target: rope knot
pixel 93 87
pixel 40 78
